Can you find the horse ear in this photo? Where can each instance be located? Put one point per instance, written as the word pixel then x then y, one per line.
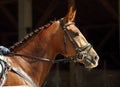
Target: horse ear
pixel 70 17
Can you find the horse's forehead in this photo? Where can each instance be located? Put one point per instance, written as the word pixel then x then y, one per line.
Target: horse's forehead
pixel 74 28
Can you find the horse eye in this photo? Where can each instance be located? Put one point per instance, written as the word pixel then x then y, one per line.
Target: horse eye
pixel 76 34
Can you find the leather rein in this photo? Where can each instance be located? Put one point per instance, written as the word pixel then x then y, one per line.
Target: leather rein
pixel 78 51
pixel 70 59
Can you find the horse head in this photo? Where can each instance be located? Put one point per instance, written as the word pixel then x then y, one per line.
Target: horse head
pixel 75 45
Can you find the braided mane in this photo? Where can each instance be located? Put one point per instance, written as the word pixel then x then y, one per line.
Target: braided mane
pixel 30 35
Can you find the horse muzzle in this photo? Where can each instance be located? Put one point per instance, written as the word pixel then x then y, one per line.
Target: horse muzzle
pixel 90 61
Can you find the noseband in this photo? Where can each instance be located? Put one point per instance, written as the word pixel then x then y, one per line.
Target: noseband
pixel 78 49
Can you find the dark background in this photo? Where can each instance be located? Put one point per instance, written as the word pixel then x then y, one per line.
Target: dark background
pixel 97 20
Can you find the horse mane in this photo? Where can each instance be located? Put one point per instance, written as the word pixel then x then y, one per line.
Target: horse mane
pixel 30 35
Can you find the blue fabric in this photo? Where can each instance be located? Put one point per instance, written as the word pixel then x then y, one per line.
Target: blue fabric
pixel 4 50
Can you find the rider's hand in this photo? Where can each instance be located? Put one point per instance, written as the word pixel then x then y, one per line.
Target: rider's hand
pixel 4 50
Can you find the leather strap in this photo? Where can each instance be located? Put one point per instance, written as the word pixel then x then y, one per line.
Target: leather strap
pixel 15 70
pixel 42 59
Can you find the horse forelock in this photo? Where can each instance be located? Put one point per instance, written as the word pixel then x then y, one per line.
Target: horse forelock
pixel 29 36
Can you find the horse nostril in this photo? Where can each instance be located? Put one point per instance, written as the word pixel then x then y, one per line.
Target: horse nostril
pixel 96 57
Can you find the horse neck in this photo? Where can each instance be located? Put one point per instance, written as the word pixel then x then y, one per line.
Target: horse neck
pixel 43 46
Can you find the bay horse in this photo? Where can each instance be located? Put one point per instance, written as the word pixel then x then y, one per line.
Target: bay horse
pixel 31 59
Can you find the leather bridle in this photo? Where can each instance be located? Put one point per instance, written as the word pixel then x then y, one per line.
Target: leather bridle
pixel 78 49
pixel 86 57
